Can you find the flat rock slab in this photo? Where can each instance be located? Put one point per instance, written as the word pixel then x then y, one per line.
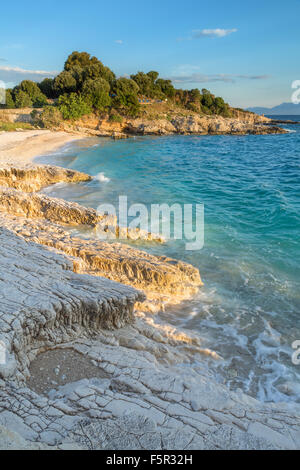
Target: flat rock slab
pixel 43 300
pixel 156 275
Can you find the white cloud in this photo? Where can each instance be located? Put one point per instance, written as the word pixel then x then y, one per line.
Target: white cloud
pixel 213 33
pixel 119 41
pixel 220 77
pixel 17 74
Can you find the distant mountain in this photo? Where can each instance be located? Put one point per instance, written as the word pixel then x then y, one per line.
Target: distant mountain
pixel 284 108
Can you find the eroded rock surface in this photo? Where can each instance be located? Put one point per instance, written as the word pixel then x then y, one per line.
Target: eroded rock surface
pixel 153 391
pixel 177 123
pixel 38 205
pixel 40 295
pixel 32 178
pixel 165 280
pixel 140 383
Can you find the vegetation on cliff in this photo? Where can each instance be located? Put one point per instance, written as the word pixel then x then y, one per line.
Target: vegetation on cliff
pixel 86 85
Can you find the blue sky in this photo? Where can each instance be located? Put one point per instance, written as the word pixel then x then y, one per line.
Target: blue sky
pixel 247 52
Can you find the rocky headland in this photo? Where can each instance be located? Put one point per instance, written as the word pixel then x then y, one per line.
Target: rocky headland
pixel 178 121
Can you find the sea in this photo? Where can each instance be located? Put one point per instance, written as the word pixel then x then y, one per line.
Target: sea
pixel 248 310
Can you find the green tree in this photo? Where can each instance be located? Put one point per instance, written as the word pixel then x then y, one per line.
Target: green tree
pixel 96 93
pixel 33 91
pixel 166 87
pixel 73 106
pixel 22 99
pixel 46 87
pixel 64 83
pixel 9 101
pixel 126 95
pixel 195 95
pixel 81 59
pixel 153 75
pixel 144 83
pixel 30 88
pixel 207 100
pixel 91 67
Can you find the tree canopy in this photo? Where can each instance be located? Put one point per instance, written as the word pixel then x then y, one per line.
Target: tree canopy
pixel 87 84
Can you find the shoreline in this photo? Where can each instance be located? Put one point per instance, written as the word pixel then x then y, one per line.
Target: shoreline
pixel 23 147
pixel 138 364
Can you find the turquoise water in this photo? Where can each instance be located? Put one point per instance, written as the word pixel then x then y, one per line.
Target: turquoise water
pixel 249 308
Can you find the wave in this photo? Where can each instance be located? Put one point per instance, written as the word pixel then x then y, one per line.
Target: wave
pixel 102 178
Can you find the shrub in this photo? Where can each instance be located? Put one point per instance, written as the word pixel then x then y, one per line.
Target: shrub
pixel 46 87
pixel 9 101
pixel 125 91
pixel 31 89
pixel 96 93
pixel 115 117
pixel 64 83
pixel 50 117
pixel 73 106
pixel 22 99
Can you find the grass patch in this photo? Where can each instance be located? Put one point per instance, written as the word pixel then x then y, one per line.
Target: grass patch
pixel 13 126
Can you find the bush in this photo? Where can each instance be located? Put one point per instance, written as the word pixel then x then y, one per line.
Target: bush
pixel 22 99
pixel 96 93
pixel 50 117
pixel 31 89
pixel 64 83
pixel 126 98
pixel 46 87
pixel 115 117
pixel 73 106
pixel 9 101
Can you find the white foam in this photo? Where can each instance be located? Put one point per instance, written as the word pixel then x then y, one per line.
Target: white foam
pixel 291 131
pixel 102 178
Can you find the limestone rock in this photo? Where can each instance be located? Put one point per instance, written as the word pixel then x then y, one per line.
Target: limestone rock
pixel 32 178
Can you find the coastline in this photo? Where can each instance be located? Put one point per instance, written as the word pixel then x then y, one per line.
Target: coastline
pixel 23 147
pixel 139 362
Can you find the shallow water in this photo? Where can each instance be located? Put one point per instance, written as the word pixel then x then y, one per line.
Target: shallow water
pixel 249 308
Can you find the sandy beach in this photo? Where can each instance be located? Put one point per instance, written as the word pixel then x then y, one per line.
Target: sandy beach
pixel 23 147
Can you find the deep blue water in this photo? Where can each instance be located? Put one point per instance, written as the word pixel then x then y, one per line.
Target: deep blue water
pixel 249 308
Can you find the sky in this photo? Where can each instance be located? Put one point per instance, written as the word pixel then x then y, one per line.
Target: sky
pixel 246 52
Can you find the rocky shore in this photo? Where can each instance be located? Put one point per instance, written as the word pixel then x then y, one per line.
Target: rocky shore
pixel 183 124
pixel 87 363
pixel 166 123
